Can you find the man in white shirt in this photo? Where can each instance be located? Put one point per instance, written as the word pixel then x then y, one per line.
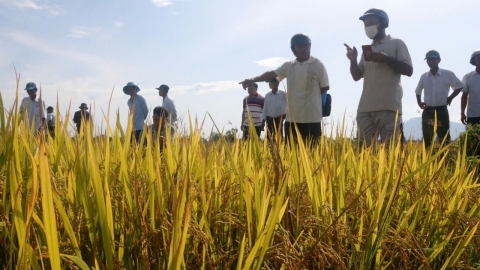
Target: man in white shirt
pixel 274 110
pixel 307 79
pixel 437 83
pixel 35 110
pixel 168 105
pixel 471 92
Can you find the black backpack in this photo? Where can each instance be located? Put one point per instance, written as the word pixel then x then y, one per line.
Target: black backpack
pixel 327 108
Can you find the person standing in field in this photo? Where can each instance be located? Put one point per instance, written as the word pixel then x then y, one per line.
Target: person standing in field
pixel 381 70
pixel 253 106
pixel 158 128
pixel 471 92
pixel 138 108
pixel 307 79
pixel 51 121
pixel 168 105
pixel 81 116
pixel 34 107
pixel 436 83
pixel 274 110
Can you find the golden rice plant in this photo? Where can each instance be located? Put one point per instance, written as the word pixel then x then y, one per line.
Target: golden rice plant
pixel 104 203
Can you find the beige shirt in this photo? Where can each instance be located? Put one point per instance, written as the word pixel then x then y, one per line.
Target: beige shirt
pixel 437 87
pixel 382 88
pixel 472 87
pixel 304 80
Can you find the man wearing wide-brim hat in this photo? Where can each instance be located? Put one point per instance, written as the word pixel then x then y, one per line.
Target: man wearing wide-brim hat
pixel 436 83
pixel 138 107
pixel 81 116
pixel 471 92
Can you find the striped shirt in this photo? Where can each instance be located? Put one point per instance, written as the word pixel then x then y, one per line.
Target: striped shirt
pixel 254 106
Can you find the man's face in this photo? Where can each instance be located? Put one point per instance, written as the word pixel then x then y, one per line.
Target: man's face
pixel 433 62
pixel 302 52
pixel 162 92
pixel 252 90
pixel 477 61
pixel 273 85
pixel 158 120
pixel 50 111
pixel 131 90
pixel 32 93
pixel 371 20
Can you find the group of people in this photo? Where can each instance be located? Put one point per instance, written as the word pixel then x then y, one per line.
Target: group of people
pixel 379 113
pixel 33 109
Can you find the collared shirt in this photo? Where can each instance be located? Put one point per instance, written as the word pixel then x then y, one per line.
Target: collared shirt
pixel 170 107
pixel 304 80
pixel 33 112
pixel 140 111
pixel 275 105
pixel 51 119
pixel 253 105
pixel 472 87
pixel 437 87
pixel 382 88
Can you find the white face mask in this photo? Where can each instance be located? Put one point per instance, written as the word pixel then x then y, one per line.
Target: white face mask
pixel 371 31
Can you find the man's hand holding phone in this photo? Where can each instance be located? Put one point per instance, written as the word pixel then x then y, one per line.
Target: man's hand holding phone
pixel 352 54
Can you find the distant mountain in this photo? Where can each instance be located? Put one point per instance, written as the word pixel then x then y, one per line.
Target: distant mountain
pixel 413 127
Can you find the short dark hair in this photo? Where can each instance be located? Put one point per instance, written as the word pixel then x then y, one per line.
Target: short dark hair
pixel 256 85
pixel 49 107
pixel 272 80
pixel 160 111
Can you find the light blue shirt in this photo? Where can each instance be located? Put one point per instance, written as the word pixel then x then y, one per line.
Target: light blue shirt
pixel 140 111
pixel 170 107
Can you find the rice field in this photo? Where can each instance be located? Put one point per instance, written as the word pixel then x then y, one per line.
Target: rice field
pixel 103 203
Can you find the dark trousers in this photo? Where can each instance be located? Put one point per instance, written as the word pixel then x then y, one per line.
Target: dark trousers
pixel 473 120
pixel 428 124
pixel 309 131
pixel 274 127
pixel 51 131
pixel 136 136
pixel 246 132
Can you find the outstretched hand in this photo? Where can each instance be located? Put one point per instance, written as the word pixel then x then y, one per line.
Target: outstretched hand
pixel 246 83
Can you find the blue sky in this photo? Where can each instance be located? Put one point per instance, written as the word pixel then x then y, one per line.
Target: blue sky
pixel 81 50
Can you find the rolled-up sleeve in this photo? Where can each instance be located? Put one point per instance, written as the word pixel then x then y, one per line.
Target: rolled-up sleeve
pixel 455 83
pixel 282 70
pixel 402 53
pixel 419 89
pixel 465 85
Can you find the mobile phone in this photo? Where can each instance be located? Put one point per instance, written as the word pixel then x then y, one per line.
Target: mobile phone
pixel 367 50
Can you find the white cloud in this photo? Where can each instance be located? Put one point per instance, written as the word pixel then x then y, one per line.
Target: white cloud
pixel 162 3
pixel 272 62
pixel 77 33
pixel 118 24
pixel 205 88
pixel 38 5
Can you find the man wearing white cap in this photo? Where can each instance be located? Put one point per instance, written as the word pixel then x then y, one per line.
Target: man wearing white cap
pixel 471 92
pixel 138 107
pixel 436 83
pixel 35 110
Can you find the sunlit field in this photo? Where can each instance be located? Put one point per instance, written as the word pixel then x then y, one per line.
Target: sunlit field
pixel 104 203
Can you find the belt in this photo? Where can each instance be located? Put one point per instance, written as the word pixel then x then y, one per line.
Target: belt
pixel 436 108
